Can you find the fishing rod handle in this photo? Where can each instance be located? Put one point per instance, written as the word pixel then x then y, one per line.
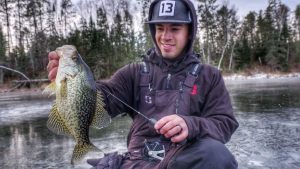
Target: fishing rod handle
pixel 162 137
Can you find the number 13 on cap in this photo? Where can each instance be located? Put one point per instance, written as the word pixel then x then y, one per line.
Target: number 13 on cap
pixel 167 8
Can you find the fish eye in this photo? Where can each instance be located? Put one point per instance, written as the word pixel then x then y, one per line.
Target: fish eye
pixel 74 57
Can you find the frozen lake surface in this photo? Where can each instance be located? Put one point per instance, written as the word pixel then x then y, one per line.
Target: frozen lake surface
pixel 269 115
pixel 268 137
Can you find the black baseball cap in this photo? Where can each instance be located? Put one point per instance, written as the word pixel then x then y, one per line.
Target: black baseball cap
pixel 170 11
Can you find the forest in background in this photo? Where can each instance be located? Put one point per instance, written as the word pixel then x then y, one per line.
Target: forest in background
pixel 107 38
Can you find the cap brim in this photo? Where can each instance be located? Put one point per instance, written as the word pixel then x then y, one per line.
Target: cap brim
pixel 167 21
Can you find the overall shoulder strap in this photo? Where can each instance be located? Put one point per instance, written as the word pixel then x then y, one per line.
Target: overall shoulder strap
pixel 192 75
pixel 145 67
pixel 145 76
pixel 145 71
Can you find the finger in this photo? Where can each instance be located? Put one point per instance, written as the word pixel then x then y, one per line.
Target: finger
pixel 161 122
pixel 53 56
pixel 180 137
pixel 174 131
pixel 168 126
pixel 52 64
pixel 52 74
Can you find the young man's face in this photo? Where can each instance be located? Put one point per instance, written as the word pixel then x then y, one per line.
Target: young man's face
pixel 171 39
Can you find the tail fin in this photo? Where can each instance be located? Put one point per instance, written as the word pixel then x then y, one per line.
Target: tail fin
pixel 81 150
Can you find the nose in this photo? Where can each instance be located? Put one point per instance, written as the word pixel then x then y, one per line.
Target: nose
pixel 166 35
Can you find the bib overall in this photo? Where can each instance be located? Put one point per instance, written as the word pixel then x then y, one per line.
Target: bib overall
pixel 156 104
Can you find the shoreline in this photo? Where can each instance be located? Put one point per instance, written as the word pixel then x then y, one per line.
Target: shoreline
pixel 24 94
pixel 259 76
pixel 37 92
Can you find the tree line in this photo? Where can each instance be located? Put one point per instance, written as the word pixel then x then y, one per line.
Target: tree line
pixel 106 37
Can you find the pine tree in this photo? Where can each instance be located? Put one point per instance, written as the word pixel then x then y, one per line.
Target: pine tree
pixel 283 44
pixel 6 10
pixel 207 12
pixel 144 38
pixel 19 27
pixel 2 47
pixel 297 22
pixel 2 54
pixel 247 39
pixel 104 45
pixel 226 26
pixel 296 45
pixel 66 14
pixel 243 50
pixel 260 46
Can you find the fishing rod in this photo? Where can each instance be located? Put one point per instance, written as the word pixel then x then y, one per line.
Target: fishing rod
pixel 154 150
pixel 151 120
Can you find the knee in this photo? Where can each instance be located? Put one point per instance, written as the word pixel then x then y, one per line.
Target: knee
pixel 205 154
pixel 216 155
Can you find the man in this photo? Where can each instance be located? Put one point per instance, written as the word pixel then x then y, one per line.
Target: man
pixel 188 100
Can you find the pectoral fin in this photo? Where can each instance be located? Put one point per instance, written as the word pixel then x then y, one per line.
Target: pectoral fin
pixel 101 118
pixel 50 89
pixel 55 122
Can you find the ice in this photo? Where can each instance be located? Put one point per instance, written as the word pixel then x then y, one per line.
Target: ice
pixel 19 111
pixel 268 112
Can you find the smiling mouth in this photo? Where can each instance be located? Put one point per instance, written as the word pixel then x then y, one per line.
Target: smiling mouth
pixel 167 47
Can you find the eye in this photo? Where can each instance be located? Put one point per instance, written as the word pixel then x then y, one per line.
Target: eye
pixel 175 29
pixel 74 58
pixel 159 28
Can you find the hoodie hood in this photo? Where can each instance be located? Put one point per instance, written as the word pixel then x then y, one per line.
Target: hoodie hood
pixel 192 27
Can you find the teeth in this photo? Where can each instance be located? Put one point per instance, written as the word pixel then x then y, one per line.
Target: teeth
pixel 167 44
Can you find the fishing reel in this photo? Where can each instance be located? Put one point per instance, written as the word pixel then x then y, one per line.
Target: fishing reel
pixel 154 150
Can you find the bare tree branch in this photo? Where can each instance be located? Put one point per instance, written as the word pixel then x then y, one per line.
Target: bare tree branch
pixel 16 71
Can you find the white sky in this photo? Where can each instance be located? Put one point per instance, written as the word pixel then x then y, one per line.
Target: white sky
pixel 244 6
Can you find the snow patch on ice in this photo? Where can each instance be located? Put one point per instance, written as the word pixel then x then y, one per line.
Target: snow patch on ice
pixel 261 76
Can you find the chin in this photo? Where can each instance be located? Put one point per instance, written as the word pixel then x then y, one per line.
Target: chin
pixel 168 56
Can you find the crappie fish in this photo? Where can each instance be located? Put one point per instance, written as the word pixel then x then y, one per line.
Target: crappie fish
pixel 78 104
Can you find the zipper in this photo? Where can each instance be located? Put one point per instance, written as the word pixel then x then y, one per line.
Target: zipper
pixel 168 80
pixel 179 97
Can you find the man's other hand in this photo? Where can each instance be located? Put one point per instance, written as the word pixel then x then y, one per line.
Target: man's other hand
pixel 173 127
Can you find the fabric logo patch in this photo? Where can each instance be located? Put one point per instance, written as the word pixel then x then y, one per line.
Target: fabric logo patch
pixel 194 90
pixel 167 8
pixel 148 99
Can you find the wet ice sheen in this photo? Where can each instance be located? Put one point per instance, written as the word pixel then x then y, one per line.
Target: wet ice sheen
pixel 268 137
pixel 269 117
